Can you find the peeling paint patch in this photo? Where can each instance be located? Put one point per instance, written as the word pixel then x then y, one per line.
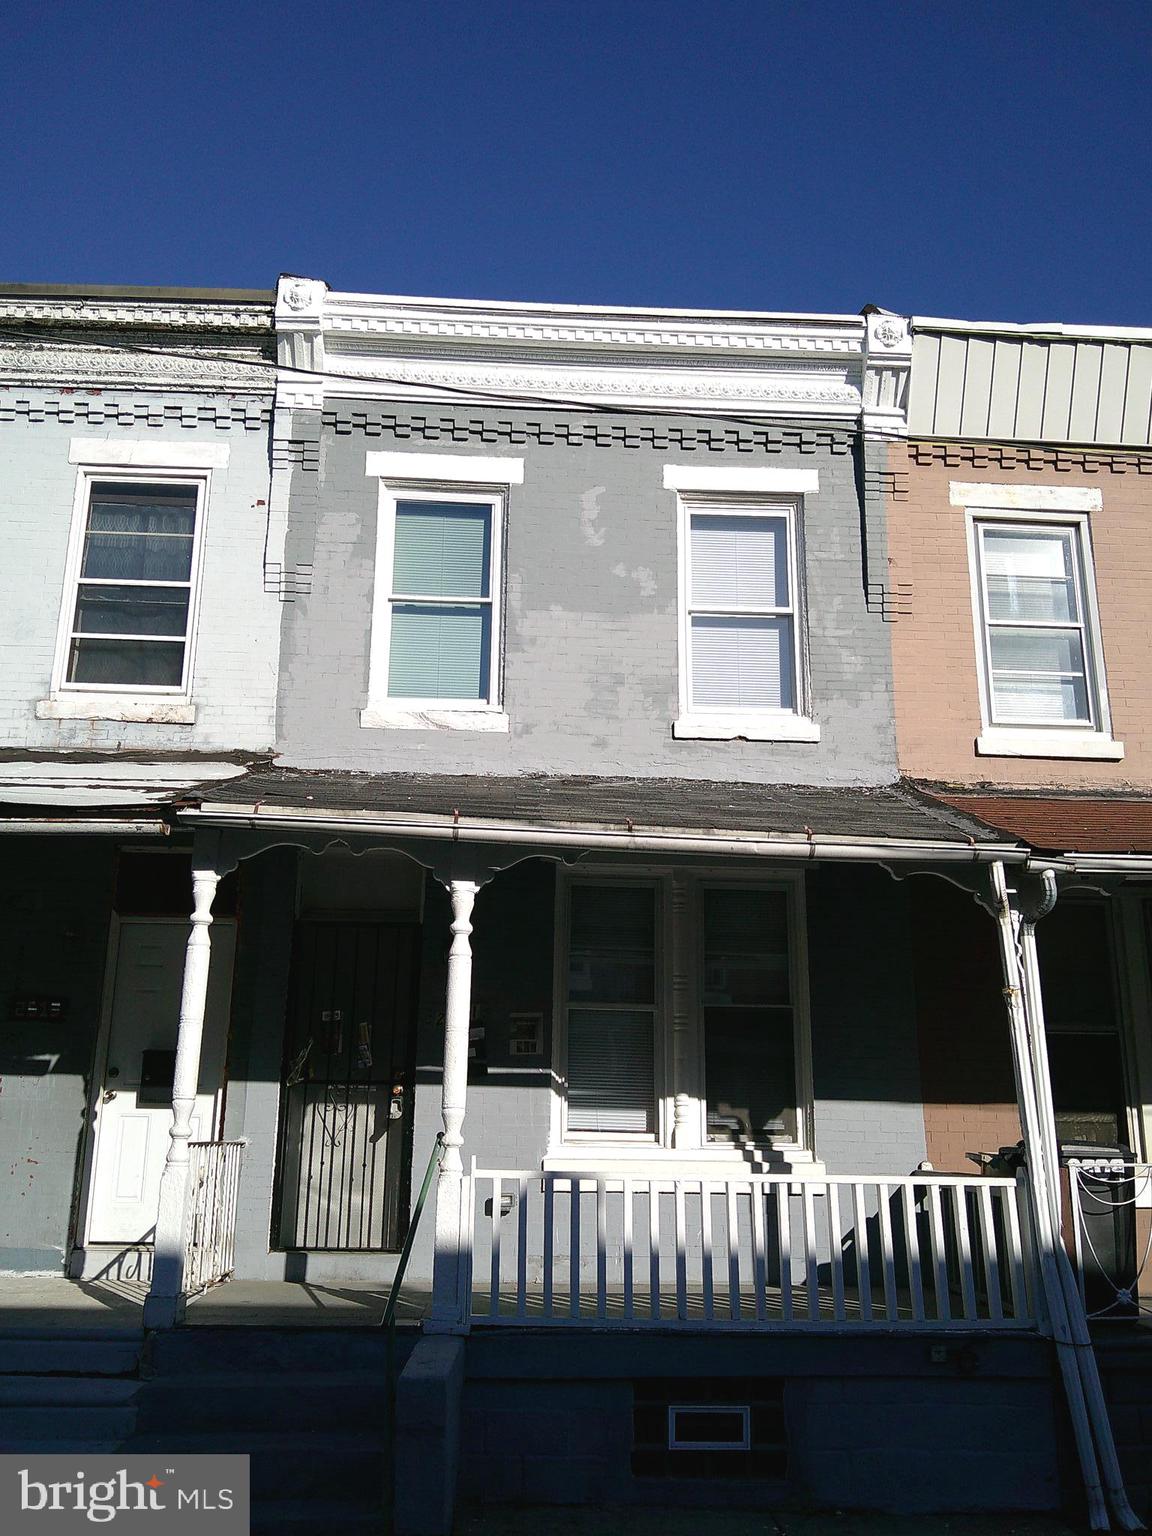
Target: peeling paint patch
pixel 644 578
pixel 590 516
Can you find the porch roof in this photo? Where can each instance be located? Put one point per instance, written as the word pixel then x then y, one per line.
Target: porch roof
pixel 1063 823
pixel 892 813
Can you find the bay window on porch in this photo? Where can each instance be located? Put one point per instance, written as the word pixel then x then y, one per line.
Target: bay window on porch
pixel 682 1019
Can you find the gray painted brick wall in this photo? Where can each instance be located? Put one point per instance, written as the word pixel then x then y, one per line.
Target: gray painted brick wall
pixel 591 605
pixel 238 638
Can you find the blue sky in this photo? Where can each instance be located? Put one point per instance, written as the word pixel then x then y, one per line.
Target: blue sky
pixel 980 158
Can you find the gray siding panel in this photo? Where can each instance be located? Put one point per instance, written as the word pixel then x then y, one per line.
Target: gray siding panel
pixel 1113 388
pixel 1005 389
pixel 950 385
pixel 925 370
pixel 1085 393
pixel 1058 389
pixel 1030 402
pixel 1138 401
pixel 977 386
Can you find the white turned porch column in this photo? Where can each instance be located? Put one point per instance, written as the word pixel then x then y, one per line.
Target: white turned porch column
pixel 450 1300
pixel 164 1305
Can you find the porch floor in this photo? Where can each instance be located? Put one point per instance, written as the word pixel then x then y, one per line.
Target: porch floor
pixel 50 1303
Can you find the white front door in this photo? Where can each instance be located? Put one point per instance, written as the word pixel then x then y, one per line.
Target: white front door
pixel 134 1109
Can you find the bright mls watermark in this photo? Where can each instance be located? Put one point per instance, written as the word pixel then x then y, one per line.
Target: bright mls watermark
pixel 187 1495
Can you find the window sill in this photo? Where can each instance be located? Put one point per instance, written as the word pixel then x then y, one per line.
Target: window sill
pixel 1001 741
pixel 132 711
pixel 745 728
pixel 393 717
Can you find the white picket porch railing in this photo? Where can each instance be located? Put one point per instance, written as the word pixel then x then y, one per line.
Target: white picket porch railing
pixel 210 1235
pixel 762 1251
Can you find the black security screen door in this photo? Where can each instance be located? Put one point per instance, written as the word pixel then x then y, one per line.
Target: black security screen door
pixel 346 1099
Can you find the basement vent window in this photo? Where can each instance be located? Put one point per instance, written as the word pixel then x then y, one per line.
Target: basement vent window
pixel 712 1427
pixel 724 1428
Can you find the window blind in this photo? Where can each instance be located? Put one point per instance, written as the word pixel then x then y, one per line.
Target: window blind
pixel 611 1015
pixel 739 562
pixel 442 549
pixel 1036 647
pixel 742 663
pixel 741 631
pixel 610 1071
pixel 440 646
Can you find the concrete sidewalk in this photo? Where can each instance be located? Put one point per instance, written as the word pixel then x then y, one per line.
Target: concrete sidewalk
pixel 621 1520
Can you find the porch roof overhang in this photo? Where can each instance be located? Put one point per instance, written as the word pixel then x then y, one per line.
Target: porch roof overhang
pixel 876 823
pixel 1090 833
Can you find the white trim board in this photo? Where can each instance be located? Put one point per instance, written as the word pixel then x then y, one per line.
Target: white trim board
pixel 762 481
pixel 135 453
pixel 1024 498
pixel 464 469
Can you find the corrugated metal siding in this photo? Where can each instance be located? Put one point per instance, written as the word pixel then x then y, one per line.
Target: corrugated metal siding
pixel 1033 388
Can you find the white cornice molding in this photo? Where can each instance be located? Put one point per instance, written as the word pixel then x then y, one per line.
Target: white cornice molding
pixel 139 313
pixel 354 316
pixel 39 363
pixel 357 346
pixel 832 392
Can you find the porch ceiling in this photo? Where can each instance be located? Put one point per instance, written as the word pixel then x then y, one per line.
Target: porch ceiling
pixel 893 812
pixel 1068 824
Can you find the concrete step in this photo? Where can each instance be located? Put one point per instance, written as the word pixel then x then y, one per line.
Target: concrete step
pixel 289 1467
pixel 318 1400
pixel 65 1424
pixel 225 1351
pixel 67 1391
pixel 112 1355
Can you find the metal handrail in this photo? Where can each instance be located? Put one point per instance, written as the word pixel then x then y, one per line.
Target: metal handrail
pixel 388 1323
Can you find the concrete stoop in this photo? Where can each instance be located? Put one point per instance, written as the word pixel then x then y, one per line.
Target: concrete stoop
pixel 68 1391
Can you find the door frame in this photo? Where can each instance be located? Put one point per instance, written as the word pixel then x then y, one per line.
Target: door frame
pixel 80 1238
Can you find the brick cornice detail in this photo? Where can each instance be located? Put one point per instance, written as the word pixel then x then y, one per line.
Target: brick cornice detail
pixel 1082 461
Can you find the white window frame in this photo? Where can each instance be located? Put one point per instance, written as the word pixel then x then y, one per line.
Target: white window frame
pixel 1067 510
pixel 437 478
pixel 743 493
pixel 683 1138
pixel 138 700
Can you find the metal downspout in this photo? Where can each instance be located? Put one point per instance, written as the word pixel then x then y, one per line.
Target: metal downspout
pixel 1069 1328
pixel 1081 1334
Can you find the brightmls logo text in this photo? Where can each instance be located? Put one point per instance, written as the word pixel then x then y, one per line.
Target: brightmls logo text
pixel 163 1493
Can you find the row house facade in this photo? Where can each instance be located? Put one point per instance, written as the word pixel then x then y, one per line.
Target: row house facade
pixel 617 762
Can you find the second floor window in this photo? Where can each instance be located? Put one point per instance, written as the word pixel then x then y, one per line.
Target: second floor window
pixel 131 617
pixel 435 661
pixel 741 610
pixel 441 636
pixel 1039 657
